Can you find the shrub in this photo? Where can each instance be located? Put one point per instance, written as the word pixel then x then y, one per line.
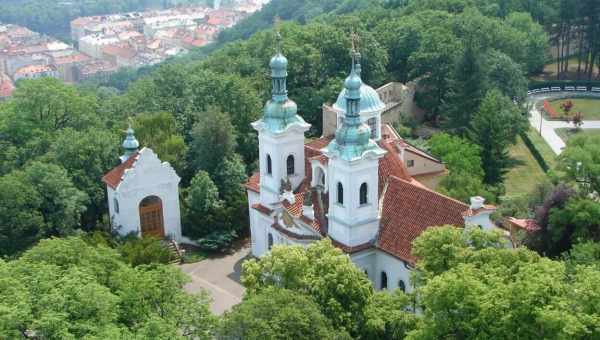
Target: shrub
pixel 145 250
pixel 217 240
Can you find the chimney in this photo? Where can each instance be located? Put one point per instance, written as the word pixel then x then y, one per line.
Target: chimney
pixel 477 202
pixel 307 206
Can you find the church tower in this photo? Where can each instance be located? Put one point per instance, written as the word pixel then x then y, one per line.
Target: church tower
pixel 280 136
pixel 353 171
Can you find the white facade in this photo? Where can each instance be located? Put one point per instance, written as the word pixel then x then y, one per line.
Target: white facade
pixel 351 221
pixel 147 177
pixel 276 149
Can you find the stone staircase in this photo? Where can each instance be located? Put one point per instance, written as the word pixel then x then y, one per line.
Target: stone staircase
pixel 176 252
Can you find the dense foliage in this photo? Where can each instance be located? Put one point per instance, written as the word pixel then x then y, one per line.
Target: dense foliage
pixel 68 289
pixel 464 280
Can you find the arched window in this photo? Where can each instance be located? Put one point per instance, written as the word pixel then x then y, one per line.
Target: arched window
pixel 270 241
pixel 290 165
pixel 269 165
pixel 340 193
pixel 402 286
pixel 116 204
pixel 383 280
pixel 363 193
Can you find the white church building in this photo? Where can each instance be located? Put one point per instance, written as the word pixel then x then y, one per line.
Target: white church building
pixel 143 194
pixel 354 187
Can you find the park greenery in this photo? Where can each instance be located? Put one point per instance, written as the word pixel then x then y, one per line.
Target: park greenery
pixel 464 281
pixel 58 140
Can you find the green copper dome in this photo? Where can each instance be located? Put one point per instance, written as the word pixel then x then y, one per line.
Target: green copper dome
pixel 353 138
pixel 280 112
pixel 130 144
pixel 278 65
pixel 369 100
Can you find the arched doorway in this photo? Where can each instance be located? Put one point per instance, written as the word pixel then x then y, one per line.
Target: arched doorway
pixel 151 217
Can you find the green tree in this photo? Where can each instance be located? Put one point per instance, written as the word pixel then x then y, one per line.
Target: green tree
pixel 467 86
pixel 389 316
pixel 62 203
pixel 317 271
pixel 580 162
pixel 494 128
pixel 469 279
pixel 86 155
pixel 20 216
pixel 68 289
pixel 230 177
pixel 213 138
pixel 463 161
pixel 203 210
pixel 457 153
pixel 506 75
pixel 277 313
pixel 158 132
pixel 38 202
pixel 432 64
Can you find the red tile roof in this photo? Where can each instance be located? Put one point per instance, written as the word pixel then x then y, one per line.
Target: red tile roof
pixel 408 210
pixel 408 206
pixel 114 177
pixel 529 225
pixel 254 182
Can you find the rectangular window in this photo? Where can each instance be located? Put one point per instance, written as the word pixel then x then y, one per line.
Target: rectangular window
pixel 410 163
pixel 372 122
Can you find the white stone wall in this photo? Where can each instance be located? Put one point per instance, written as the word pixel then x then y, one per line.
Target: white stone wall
pixel 148 177
pixel 352 223
pixel 279 147
pixel 395 269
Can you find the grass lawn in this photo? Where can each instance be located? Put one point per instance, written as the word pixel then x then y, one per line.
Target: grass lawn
pixel 543 147
pixel 526 172
pixel 567 133
pixel 589 107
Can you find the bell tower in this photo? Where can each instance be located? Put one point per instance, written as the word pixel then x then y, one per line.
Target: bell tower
pixel 353 170
pixel 280 136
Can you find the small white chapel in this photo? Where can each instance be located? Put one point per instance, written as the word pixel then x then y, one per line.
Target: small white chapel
pixel 143 194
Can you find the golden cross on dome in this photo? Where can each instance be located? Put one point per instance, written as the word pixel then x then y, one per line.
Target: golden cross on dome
pixel 355 41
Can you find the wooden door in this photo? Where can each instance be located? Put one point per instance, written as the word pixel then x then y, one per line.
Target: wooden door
pixel 151 217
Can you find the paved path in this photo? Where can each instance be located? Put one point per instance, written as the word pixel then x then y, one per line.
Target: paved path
pixel 220 277
pixel 548 127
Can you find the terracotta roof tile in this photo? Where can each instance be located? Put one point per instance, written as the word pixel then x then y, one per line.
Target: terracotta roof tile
pixel 262 209
pixel 292 234
pixel 254 182
pixel 529 225
pixel 408 210
pixel 114 177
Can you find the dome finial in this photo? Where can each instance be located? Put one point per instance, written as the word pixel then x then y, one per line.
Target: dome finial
pixel 130 144
pixel 355 52
pixel 278 39
pixel 279 68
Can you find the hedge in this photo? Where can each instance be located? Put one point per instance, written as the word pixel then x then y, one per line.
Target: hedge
pixel 535 152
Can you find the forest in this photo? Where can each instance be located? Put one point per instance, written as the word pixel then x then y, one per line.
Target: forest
pixel 472 60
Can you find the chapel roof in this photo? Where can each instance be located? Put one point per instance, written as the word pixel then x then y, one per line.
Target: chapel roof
pixel 114 177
